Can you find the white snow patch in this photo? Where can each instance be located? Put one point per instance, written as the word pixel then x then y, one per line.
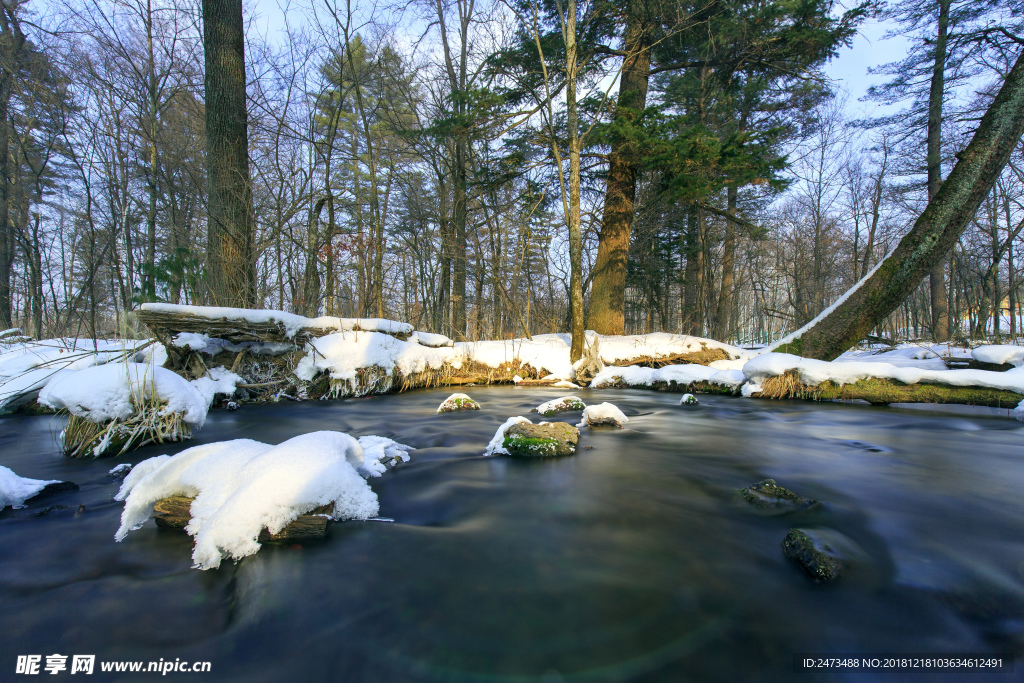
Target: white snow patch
pixel 104 392
pixel 517 379
pixel 603 414
pixel 378 452
pixel 218 380
pixel 15 490
pixel 122 469
pixel 191 340
pixel 242 486
pixel 997 354
pixel 680 374
pixel 496 445
pixel 618 348
pixel 430 339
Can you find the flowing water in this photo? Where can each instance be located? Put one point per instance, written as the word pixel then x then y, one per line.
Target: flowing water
pixel 631 560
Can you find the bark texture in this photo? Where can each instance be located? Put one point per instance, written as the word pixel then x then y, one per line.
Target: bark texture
pixel 607 301
pixel 230 249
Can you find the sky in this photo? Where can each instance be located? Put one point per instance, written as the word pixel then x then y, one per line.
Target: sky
pixel 849 70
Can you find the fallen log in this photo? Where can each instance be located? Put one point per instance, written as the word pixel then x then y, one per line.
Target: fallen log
pixel 176 511
pixel 879 391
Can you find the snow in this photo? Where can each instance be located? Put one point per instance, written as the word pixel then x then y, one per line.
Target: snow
pixel 242 486
pixel 191 340
pixel 905 355
pixel 343 353
pixel 378 452
pixel 121 470
pixel 998 354
pixel 688 400
pixel 603 413
pixel 430 339
pixel 105 392
pixel 15 490
pixel 451 403
pixel 617 349
pixel 814 372
pixel 547 354
pixel 218 380
pixel 680 374
pixel 496 445
pixel 291 322
pixel 565 384
pixel 517 379
pixel 26 367
pixel 559 405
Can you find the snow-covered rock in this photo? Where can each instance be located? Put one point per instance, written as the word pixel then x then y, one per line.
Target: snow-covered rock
pixel 603 414
pixel 457 402
pixel 680 374
pixel 241 487
pixel 104 392
pixel 218 381
pixel 15 490
pixel 559 405
pixel 688 400
pixel 496 445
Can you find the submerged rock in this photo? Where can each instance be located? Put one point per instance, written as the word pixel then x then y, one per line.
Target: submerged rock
pixel 817 552
pixel 457 402
pixel 769 496
pixel 526 440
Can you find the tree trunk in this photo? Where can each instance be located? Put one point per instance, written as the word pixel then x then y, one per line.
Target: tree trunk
pixel 933 236
pixel 608 291
pixel 11 41
pixel 940 306
pixel 230 249
pixel 575 238
pixel 726 297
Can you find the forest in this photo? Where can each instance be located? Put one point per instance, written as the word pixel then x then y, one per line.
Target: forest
pixel 485 169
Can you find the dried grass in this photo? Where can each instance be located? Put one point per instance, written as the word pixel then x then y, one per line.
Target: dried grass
pixel 787 385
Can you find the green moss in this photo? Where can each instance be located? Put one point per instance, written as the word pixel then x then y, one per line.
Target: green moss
pixel 524 446
pixel 817 559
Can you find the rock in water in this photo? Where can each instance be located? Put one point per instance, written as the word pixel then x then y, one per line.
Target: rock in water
pixel 814 553
pixel 603 414
pixel 768 496
pixel 688 400
pixel 526 440
pixel 457 402
pixel 566 403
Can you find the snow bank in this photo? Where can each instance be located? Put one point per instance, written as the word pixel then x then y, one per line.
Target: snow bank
pixel 814 372
pixel 603 414
pixel 430 339
pixel 105 392
pixel 15 490
pixel 291 322
pixel 998 354
pixel 496 445
pixel 242 486
pixel 545 353
pixel 342 354
pixel 616 349
pixel 26 367
pixel 906 356
pixel 680 374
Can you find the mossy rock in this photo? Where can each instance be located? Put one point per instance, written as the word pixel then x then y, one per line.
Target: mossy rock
pixel 564 405
pixel 457 402
pixel 815 553
pixel 768 496
pixel 689 400
pixel 526 440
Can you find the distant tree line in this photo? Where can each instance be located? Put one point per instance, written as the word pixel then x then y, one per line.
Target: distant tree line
pixel 495 169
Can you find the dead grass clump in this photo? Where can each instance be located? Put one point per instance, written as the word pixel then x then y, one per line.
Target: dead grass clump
pixel 787 385
pixel 149 424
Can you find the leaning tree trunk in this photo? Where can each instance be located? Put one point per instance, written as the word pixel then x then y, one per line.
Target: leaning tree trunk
pixel 932 237
pixel 230 246
pixel 608 292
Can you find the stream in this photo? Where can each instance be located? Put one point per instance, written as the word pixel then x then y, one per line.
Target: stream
pixel 632 560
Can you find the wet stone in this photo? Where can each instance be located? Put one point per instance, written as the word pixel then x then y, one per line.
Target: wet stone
pixel 815 553
pixel 767 495
pixel 527 440
pixel 457 402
